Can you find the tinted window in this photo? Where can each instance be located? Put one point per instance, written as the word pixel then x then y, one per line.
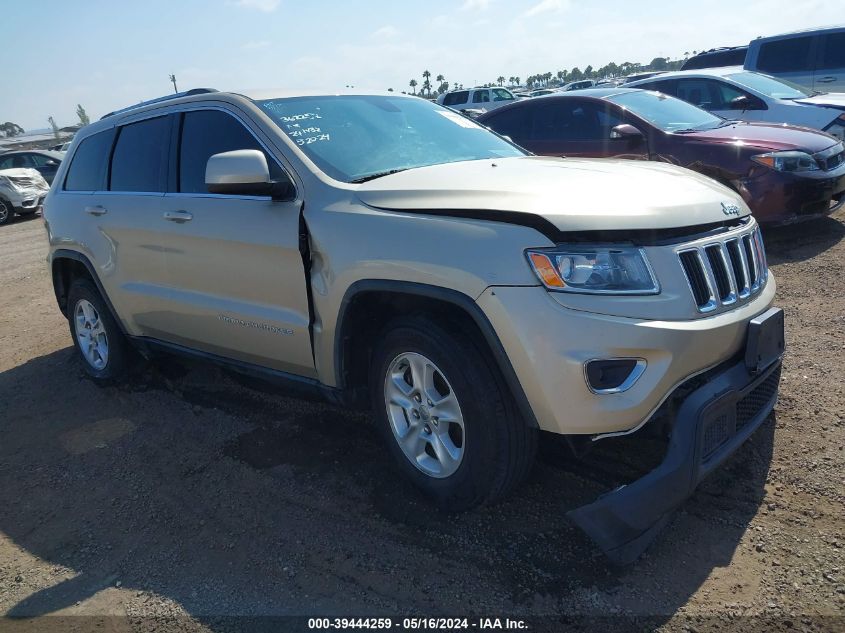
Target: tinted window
pixel 88 166
pixel 481 96
pixel 730 57
pixel 140 156
pixel 40 160
pixel 454 98
pixel 515 123
pixel 500 94
pixel 209 132
pixel 787 55
pixel 699 92
pixel 833 52
pixel 573 120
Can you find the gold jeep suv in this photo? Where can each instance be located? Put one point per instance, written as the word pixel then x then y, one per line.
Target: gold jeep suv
pixel 387 252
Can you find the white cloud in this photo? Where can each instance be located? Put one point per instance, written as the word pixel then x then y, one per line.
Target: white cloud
pixel 545 6
pixel 475 5
pixel 268 6
pixel 255 44
pixel 386 32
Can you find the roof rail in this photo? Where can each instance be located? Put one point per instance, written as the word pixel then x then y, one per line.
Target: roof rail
pixel 187 93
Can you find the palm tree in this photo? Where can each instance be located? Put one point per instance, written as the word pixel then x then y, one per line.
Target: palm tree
pixel 440 79
pixel 501 80
pixel 413 84
pixel 426 83
pixel 516 80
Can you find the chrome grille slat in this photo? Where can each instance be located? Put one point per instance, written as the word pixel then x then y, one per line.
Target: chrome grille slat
pixel 725 271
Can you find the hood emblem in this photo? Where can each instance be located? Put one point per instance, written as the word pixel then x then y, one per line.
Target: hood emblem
pixel 730 209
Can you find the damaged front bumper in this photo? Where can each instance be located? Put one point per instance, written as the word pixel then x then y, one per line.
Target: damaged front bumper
pixel 711 423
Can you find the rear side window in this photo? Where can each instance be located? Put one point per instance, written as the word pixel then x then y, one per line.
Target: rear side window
pixel 833 52
pixel 515 123
pixel 88 166
pixel 139 162
pixel 208 132
pixel 789 55
pixel 455 98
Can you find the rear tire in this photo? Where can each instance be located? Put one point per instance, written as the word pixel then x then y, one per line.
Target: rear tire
pixel 6 212
pixel 446 415
pixel 101 345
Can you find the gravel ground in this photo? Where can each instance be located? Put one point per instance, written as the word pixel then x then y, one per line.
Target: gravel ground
pixel 187 500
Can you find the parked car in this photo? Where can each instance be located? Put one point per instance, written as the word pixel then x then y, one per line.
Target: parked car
pixel 383 251
pixel 814 58
pixel 639 76
pixel 716 58
pixel 578 85
pixel 735 93
pixel 22 191
pixel 61 147
pixel 783 173
pixel 483 99
pixel 541 92
pixel 45 162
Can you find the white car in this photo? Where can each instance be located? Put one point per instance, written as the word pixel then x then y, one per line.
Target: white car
pixel 481 99
pixel 22 191
pixel 738 94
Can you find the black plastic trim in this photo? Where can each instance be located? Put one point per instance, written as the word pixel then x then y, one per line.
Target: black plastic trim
pixel 446 295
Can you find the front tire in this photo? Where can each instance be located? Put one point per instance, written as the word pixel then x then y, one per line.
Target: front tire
pixel 6 212
pixel 96 335
pixel 446 415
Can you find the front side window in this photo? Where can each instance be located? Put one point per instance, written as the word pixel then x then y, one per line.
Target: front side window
pixel 513 122
pixel 699 92
pixel 87 170
pixel 139 162
pixel 573 120
pixel 665 112
pixel 500 94
pixel 788 55
pixel 209 132
pixel 833 52
pixel 356 137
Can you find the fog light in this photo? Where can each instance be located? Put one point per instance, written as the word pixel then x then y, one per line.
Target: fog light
pixel 613 375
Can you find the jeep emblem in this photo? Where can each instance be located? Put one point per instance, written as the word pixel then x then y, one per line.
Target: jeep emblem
pixel 730 209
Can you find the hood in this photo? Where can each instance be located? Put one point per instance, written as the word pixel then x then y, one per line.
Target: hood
pixel 573 194
pixel 26 177
pixel 830 99
pixel 766 136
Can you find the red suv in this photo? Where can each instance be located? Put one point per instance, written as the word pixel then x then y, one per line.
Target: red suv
pixel 784 173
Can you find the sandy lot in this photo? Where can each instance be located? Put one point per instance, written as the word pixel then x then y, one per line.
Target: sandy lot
pixel 187 500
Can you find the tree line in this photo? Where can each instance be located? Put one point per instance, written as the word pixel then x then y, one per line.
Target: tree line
pixel 9 129
pixel 542 80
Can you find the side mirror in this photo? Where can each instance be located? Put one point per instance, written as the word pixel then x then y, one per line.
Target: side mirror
pixel 243 172
pixel 744 102
pixel 51 163
pixel 626 131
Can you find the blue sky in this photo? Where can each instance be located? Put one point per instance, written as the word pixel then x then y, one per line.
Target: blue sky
pixel 108 54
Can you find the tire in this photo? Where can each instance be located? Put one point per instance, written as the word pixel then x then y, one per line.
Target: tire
pixel 105 354
pixel 460 456
pixel 6 212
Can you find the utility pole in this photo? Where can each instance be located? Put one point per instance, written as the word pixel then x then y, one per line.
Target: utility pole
pixel 173 79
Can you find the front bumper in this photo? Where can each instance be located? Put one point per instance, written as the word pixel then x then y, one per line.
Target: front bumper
pixel 784 198
pixel 548 344
pixel 713 421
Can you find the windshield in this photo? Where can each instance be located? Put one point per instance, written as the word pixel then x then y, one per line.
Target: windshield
pixel 356 138
pixel 665 112
pixel 769 86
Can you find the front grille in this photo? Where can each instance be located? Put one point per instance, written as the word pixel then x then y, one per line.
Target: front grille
pixel 722 428
pixel 725 271
pixel 832 157
pixel 22 181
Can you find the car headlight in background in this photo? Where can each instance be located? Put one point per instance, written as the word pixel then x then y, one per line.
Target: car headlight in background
pixel 594 269
pixel 793 161
pixel 8 182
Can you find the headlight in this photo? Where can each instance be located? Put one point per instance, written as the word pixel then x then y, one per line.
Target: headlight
pixel 8 183
pixel 594 269
pixel 787 161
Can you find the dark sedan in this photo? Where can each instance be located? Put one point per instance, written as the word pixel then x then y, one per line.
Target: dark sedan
pixel 784 173
pixel 46 162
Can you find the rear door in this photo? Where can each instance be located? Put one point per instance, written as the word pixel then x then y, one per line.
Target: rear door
pixel 236 277
pixel 830 67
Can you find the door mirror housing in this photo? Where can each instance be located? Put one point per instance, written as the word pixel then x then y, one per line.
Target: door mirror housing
pixel 52 163
pixel 243 172
pixel 746 102
pixel 626 131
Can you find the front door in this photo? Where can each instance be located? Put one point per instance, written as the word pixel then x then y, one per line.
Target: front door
pixel 237 284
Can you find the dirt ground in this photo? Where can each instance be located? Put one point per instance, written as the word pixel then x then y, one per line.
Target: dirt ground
pixel 187 500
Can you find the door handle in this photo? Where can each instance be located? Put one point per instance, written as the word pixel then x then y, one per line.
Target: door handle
pixel 826 80
pixel 178 216
pixel 97 210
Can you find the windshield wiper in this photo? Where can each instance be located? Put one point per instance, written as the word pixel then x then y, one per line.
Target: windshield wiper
pixel 379 174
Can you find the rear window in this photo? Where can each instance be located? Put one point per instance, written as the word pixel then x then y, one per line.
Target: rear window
pixel 833 52
pixel 87 170
pixel 730 57
pixel 454 98
pixel 789 55
pixel 140 156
